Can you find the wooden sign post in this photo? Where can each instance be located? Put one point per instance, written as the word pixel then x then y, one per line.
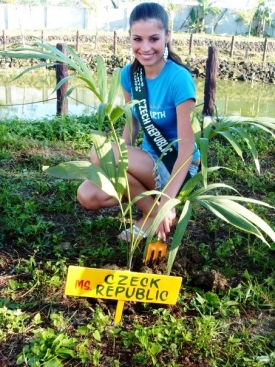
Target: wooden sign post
pixel 122 286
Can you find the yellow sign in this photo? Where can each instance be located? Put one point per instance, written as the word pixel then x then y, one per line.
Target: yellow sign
pixel 122 285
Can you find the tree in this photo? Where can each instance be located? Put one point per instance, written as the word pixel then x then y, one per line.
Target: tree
pixel 198 14
pixel 262 16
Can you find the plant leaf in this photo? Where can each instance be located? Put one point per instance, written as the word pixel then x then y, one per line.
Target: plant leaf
pixel 121 178
pixel 250 144
pixel 179 233
pixel 230 138
pixel 239 216
pixel 114 88
pixel 102 78
pixel 83 170
pixel 204 152
pixel 104 151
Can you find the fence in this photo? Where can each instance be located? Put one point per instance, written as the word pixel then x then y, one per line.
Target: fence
pixel 227 45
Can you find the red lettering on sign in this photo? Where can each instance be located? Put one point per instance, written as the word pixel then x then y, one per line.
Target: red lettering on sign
pixel 83 284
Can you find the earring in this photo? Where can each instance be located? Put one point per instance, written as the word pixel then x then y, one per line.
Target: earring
pixel 165 54
pixel 131 55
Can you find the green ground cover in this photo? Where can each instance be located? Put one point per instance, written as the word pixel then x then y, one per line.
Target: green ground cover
pixel 225 314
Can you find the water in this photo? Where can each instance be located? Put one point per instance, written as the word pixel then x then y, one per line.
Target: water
pixel 31 97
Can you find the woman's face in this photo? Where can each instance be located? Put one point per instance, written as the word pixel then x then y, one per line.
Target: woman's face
pixel 148 41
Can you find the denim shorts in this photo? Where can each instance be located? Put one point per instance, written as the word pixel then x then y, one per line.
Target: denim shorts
pixel 163 175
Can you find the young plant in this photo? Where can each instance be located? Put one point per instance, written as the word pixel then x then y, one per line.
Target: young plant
pixel 47 347
pixel 109 177
pixel 225 207
pixel 112 178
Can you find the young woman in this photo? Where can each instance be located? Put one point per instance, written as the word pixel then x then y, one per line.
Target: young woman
pixel 170 95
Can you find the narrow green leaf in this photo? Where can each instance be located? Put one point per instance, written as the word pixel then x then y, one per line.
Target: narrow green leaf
pixel 234 198
pixel 207 126
pixel 230 204
pixel 114 87
pixel 101 114
pixel 116 113
pixel 30 69
pixel 70 90
pixel 266 128
pixel 91 86
pixel 121 178
pixel 83 170
pixel 204 153
pixel 190 186
pixel 170 204
pixel 230 138
pixel 105 154
pixel 229 215
pixel 200 191
pixel 179 233
pixel 250 145
pixel 196 128
pixel 86 72
pixel 102 78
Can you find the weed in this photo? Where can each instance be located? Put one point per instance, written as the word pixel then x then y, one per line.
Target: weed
pixel 47 348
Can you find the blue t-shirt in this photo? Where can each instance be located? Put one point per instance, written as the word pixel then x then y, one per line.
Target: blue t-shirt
pixel 170 88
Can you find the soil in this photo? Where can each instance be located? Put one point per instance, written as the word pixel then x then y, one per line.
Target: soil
pixel 85 307
pixel 189 265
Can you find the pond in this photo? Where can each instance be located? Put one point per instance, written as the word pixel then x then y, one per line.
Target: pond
pixel 31 97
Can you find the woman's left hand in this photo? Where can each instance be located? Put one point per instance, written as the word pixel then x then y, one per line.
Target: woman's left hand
pixel 166 224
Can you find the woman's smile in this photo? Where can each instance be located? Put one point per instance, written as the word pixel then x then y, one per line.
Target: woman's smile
pixel 146 56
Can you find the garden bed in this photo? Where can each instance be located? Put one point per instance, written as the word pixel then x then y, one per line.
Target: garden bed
pixel 225 311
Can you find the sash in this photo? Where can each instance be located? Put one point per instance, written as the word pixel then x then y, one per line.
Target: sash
pixel 152 132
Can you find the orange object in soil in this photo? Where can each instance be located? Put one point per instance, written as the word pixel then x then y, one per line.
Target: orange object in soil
pixel 156 250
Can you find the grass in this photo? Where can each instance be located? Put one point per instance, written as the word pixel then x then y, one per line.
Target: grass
pixel 225 314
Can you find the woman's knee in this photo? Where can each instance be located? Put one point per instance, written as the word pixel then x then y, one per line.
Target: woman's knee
pixel 85 195
pixel 94 158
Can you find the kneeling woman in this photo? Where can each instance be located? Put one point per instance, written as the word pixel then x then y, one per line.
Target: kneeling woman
pixel 158 75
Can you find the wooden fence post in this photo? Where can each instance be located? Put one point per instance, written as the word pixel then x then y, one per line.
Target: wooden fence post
pixel 265 49
pixel 210 82
pixel 115 43
pixel 232 46
pixel 191 44
pixel 77 41
pixel 4 40
pixel 61 73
